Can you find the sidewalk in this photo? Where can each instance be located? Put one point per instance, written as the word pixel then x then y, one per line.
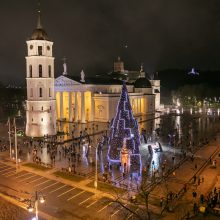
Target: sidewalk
pixel 184 174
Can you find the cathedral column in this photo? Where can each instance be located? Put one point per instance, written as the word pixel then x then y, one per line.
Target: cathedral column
pixel 83 107
pixel 76 107
pixel 61 105
pixel 70 107
pixel 140 106
pixel 92 107
pixel 136 101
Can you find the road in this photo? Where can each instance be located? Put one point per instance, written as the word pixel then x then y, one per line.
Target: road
pixel 62 200
pixel 12 212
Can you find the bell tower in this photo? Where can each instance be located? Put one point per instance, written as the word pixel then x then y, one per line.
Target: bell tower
pixel 41 102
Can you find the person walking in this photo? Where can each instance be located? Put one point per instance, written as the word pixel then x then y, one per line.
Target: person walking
pixel 194 179
pixel 198 180
pixel 195 208
pixel 202 198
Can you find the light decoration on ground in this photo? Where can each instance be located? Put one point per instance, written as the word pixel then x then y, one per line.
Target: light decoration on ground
pixel 124 127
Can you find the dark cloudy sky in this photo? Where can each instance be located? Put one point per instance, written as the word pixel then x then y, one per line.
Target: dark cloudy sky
pixel 92 33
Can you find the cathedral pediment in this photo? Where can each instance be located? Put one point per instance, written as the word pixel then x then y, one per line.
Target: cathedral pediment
pixel 63 81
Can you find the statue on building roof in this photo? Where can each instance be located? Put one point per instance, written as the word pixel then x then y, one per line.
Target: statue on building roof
pixel 82 74
pixel 64 66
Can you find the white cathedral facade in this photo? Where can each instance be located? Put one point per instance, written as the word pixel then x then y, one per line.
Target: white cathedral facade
pixel 79 98
pixel 85 99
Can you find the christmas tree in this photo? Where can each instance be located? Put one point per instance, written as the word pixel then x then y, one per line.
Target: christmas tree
pixel 124 131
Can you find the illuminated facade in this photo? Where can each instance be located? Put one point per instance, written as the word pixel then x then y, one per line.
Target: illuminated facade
pixel 40 103
pixel 84 99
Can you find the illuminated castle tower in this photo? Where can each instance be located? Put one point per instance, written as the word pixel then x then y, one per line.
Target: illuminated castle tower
pixel 40 104
pixel 124 133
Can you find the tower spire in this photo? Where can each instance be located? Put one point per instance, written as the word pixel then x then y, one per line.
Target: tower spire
pixel 39 26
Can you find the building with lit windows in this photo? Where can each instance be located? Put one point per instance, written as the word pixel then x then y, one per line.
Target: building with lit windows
pixel 78 98
pixel 40 103
pixel 84 99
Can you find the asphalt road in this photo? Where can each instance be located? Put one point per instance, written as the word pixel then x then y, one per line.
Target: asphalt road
pixel 9 211
pixel 62 201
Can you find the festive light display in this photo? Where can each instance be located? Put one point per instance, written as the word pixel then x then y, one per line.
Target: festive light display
pixel 124 129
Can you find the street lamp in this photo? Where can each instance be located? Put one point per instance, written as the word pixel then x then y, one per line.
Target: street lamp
pixel 16 144
pixel 39 197
pixel 96 168
pixel 9 134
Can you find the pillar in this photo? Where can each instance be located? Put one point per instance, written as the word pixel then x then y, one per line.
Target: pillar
pixel 61 105
pixel 83 107
pixel 70 107
pixel 140 105
pixel 76 108
pixel 92 107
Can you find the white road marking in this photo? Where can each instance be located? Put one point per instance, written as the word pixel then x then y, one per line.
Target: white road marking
pixel 23 175
pixel 42 183
pixel 49 186
pixel 6 169
pixel 84 201
pixel 91 204
pixel 65 192
pixel 105 207
pixel 14 171
pixel 57 189
pixel 35 180
pixel 116 212
pixel 76 195
pixel 23 180
pixel 132 214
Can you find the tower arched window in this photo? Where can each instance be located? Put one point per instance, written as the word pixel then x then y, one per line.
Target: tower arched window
pixel 49 70
pixel 30 71
pixel 31 92
pixel 40 50
pixel 40 92
pixel 49 92
pixel 40 70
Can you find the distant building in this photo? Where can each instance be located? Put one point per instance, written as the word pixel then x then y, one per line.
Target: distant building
pixel 193 72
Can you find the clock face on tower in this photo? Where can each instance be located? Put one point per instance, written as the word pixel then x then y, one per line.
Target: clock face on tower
pixel 31 47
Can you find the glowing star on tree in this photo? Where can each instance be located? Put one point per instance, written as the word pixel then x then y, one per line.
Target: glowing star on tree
pixel 124 127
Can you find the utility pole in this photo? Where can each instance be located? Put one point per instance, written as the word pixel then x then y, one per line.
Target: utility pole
pixel 96 168
pixel 36 205
pixel 9 135
pixel 16 145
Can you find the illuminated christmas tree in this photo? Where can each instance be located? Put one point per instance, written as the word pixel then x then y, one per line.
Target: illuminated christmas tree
pixel 124 133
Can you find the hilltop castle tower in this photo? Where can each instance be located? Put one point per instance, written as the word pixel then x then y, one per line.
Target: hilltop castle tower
pixel 41 102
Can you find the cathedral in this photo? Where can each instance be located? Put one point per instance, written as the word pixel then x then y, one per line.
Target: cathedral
pixel 80 97
pixel 83 98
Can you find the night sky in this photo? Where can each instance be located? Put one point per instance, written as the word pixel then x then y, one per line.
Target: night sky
pixel 91 34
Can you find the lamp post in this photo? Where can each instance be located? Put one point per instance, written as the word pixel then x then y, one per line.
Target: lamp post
pixel 9 135
pixel 16 145
pixel 34 203
pixel 96 168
